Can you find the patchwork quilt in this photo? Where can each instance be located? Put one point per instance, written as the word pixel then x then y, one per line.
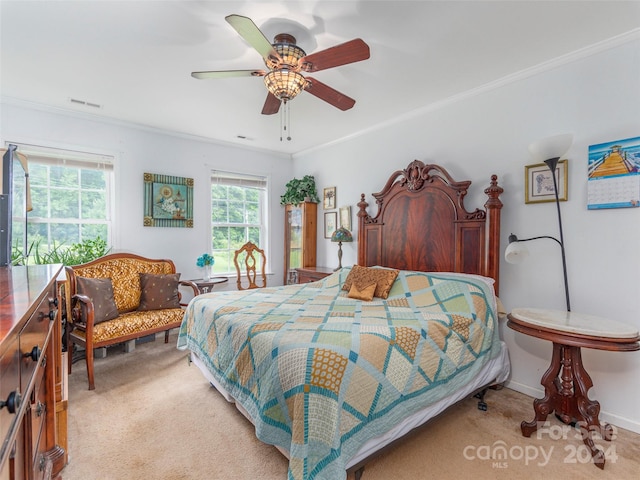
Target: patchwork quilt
pixel 320 373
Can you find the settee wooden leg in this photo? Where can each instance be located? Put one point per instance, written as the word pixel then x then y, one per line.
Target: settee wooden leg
pixel 89 358
pixel 166 336
pixel 70 347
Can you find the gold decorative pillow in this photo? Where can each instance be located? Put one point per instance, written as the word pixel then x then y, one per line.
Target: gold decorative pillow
pixel 159 291
pixel 100 291
pixel 383 277
pixel 365 293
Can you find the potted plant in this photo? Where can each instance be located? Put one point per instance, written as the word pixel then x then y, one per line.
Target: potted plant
pixel 300 190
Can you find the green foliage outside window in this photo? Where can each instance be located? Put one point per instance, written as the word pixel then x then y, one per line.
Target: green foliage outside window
pixel 235 219
pixel 73 254
pixel 69 223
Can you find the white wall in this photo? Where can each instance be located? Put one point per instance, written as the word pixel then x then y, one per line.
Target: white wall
pixel 138 150
pixel 595 97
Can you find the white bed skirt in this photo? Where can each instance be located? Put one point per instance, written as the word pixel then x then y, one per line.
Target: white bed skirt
pixel 496 370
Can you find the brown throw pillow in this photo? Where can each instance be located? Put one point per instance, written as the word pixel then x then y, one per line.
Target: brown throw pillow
pixel 383 277
pixel 100 291
pixel 159 291
pixel 365 293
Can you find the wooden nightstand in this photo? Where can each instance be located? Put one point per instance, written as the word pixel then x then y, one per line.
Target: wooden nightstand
pixel 313 274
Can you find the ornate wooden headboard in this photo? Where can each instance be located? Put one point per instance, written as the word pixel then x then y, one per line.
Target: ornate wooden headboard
pixel 422 224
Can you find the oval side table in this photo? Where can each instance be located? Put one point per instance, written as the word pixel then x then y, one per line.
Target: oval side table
pixel 566 382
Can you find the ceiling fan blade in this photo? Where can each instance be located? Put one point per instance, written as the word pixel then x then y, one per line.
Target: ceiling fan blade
pixel 348 52
pixel 228 73
pixel 252 34
pixel 329 95
pixel 271 105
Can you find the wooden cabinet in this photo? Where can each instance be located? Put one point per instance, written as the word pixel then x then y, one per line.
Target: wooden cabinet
pixel 299 239
pixel 313 274
pixel 30 363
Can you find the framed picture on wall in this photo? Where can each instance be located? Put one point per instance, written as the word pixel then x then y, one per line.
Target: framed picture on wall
pixel 538 182
pixel 330 223
pixel 329 198
pixel 168 201
pixel 345 217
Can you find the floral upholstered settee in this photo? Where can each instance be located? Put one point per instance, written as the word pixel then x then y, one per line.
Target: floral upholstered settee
pixel 118 298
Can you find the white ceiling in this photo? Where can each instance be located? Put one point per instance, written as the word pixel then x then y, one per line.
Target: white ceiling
pixel 134 58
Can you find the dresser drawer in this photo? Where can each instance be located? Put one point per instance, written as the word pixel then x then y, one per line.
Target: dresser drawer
pixel 33 339
pixel 9 385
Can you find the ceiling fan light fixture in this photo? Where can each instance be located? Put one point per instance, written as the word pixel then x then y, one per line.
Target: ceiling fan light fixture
pixel 290 53
pixel 284 84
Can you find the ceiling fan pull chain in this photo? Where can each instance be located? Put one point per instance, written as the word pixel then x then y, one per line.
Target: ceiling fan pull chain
pixel 285 121
pixel 287 124
pixel 282 108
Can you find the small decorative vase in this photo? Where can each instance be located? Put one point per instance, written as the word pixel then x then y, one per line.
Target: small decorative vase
pixel 206 276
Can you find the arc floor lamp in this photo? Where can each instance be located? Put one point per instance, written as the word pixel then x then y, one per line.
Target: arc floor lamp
pixel 548 150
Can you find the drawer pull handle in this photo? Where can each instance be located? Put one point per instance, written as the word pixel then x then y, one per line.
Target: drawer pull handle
pixel 12 403
pixel 53 314
pixel 34 354
pixel 40 409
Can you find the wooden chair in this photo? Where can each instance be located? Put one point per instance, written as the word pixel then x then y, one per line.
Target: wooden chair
pixel 250 255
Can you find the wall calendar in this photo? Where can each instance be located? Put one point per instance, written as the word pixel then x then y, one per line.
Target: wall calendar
pixel 614 174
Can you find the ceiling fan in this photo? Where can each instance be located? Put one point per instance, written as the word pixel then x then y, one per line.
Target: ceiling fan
pixel 285 60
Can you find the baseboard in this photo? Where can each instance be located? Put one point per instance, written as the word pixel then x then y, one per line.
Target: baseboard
pixel 606 417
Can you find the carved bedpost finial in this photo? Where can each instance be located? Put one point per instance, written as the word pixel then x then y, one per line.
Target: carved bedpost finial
pixel 493 206
pixel 362 205
pixel 493 191
pixel 362 215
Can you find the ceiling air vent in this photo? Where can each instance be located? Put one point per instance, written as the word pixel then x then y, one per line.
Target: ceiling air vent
pixel 76 101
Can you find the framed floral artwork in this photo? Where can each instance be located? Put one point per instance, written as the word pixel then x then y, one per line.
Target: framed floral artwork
pixel 168 201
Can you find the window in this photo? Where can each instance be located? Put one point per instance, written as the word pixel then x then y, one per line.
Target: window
pixel 71 195
pixel 238 215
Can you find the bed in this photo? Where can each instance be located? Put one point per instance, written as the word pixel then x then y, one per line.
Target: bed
pixel 334 371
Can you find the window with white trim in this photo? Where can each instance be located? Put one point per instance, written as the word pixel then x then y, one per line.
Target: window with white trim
pixel 71 194
pixel 238 215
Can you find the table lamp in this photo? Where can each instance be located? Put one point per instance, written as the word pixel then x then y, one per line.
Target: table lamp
pixel 341 235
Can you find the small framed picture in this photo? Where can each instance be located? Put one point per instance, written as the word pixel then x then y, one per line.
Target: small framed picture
pixel 329 198
pixel 330 223
pixel 538 182
pixel 345 217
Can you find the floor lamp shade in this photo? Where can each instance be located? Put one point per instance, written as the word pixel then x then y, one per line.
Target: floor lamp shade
pixel 551 147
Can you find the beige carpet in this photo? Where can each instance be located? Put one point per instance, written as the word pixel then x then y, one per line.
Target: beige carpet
pixel 153 416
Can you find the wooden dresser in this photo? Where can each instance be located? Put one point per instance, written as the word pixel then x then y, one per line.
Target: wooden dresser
pixel 30 373
pixel 312 274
